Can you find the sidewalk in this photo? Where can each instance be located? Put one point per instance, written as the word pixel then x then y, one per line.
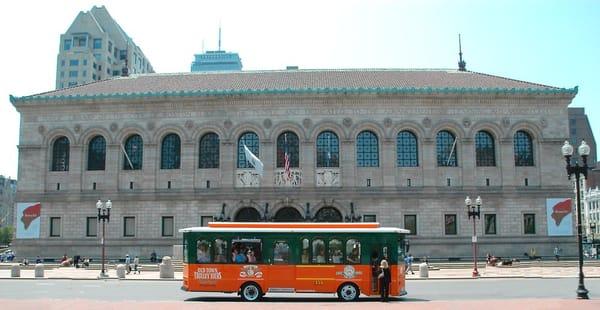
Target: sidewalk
pixel 509 272
pixel 486 272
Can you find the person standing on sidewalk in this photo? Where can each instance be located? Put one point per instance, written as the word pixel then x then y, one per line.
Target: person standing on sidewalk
pixel 385 277
pixel 408 262
pixel 557 253
pixel 127 263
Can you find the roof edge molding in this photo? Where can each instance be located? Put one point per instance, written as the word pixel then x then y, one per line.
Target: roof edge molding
pixel 300 91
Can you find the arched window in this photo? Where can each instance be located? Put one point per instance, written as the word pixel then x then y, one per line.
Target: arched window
pixel 485 151
pixel 328 150
pixel 367 149
pixel 209 151
pixel 96 153
pixel 446 149
pixel 407 149
pixel 288 214
pixel 170 152
pixel 249 139
pixel 287 143
pixel 523 149
pixel 247 214
pixel 60 154
pixel 328 214
pixel 134 151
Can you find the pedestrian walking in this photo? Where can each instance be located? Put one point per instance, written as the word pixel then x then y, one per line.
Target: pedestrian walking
pixel 385 277
pixel 557 253
pixel 128 263
pixel 408 260
pixel 136 264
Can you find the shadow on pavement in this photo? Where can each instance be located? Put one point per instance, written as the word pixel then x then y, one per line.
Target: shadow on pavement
pixel 301 299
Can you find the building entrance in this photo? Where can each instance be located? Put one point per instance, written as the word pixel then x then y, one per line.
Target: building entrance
pixel 247 214
pixel 288 214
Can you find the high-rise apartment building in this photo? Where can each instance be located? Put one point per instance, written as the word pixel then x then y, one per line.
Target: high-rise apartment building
pixel 8 189
pixel 580 129
pixel 96 48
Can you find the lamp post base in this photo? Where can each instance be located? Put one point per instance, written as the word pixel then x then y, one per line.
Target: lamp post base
pixel 475 274
pixel 582 293
pixel 103 275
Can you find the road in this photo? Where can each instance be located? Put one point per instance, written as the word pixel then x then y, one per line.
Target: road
pixel 423 290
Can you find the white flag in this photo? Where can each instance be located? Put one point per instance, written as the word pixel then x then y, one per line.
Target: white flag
pixel 254 161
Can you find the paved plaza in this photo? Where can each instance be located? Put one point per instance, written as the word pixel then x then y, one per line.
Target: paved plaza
pixel 451 272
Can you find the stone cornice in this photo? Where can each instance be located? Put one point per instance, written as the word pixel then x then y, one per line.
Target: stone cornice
pixel 568 92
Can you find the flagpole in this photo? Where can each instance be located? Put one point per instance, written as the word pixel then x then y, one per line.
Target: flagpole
pixel 451 151
pixel 126 156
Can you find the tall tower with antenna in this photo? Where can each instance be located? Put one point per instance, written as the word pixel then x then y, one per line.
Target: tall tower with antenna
pixel 218 60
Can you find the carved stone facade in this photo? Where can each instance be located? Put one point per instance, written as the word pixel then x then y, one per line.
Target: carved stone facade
pixel 386 192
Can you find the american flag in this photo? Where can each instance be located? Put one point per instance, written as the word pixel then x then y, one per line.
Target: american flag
pixel 286 166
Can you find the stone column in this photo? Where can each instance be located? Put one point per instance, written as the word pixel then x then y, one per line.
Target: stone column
pixel 348 163
pixel 228 163
pixel 187 166
pixel 75 167
pixel 308 163
pixel 430 177
pixel 388 162
pixel 468 162
pixel 112 166
pixel 266 155
pixel 507 162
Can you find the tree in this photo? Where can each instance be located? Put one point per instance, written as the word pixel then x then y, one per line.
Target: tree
pixel 6 234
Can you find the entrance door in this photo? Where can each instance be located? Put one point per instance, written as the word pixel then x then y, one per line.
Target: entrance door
pixel 282 273
pixel 288 214
pixel 378 252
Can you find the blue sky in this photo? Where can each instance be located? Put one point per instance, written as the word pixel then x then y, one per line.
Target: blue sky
pixel 549 42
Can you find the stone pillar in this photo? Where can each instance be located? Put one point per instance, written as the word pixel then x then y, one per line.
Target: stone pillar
pixel 150 166
pixel 423 270
pixel 388 162
pixel 75 165
pixel 468 162
pixel 430 177
pixel 15 271
pixel 187 165
pixel 228 159
pixel 166 268
pixel 308 162
pixel 39 270
pixel 348 163
pixel 267 153
pixel 507 162
pixel 121 271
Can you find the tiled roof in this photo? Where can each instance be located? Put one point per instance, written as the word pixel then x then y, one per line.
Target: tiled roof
pixel 297 81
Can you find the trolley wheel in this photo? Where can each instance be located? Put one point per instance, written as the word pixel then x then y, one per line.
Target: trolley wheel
pixel 251 292
pixel 348 292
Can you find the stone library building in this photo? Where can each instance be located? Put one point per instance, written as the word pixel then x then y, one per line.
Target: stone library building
pixel 399 147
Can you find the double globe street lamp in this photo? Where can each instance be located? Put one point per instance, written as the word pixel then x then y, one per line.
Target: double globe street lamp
pixel 475 213
pixel 578 171
pixel 104 216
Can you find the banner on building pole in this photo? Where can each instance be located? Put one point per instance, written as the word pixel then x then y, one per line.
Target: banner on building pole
pixel 28 220
pixel 559 215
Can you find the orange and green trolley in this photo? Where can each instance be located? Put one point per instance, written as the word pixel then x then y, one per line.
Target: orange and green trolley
pixel 254 259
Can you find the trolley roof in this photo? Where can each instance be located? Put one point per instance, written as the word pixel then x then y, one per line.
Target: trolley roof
pixel 295 227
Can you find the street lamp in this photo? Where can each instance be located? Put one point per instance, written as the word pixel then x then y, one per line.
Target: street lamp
pixel 593 232
pixel 584 151
pixel 472 212
pixel 104 216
